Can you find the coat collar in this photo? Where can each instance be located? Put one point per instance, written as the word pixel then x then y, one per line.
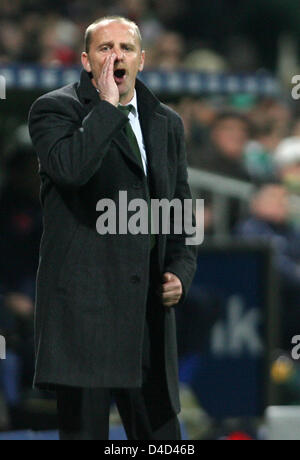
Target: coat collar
pixel 154 128
pixel 86 91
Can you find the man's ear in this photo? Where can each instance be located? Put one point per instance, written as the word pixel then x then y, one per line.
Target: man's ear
pixel 86 62
pixel 142 62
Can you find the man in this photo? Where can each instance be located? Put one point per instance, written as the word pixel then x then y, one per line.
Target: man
pixel 105 326
pixel 229 134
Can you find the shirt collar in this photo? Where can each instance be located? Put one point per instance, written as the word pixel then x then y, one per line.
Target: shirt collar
pixel 133 102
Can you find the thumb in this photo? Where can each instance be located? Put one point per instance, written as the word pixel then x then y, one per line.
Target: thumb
pixel 167 277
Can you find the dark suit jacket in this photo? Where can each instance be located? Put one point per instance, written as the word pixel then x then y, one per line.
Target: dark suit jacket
pixel 92 289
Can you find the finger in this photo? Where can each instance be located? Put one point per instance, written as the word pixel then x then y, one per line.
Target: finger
pixel 109 61
pixel 107 67
pixel 170 297
pixel 175 290
pixel 173 293
pixel 167 277
pixel 111 65
pixel 106 64
pixel 169 304
pixel 172 286
pixel 102 76
pixel 114 58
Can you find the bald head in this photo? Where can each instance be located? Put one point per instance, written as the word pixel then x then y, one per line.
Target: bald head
pixel 105 21
pixel 113 43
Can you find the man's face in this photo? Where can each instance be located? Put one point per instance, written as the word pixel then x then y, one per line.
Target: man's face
pixel 115 37
pixel 231 135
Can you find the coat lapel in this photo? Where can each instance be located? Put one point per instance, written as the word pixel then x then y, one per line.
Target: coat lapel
pixel 123 143
pixel 155 132
pixel 89 97
pixel 156 144
pixel 86 91
pixel 154 129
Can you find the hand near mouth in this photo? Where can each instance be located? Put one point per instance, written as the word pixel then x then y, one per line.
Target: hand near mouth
pixel 106 83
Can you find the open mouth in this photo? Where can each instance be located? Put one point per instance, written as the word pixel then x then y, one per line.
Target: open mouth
pixel 119 75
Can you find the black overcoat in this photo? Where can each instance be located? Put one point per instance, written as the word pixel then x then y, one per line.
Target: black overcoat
pixel 92 289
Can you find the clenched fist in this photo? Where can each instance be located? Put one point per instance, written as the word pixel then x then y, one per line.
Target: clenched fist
pixel 171 289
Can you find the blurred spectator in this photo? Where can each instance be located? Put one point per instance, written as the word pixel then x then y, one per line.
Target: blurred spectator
pixel 287 160
pixel 31 26
pixel 11 41
pixel 245 47
pixel 259 152
pixel 229 134
pixel 269 222
pixel 167 52
pixel 59 42
pixel 295 130
pixel 10 9
pixel 222 153
pixel 133 9
pixel 272 111
pixel 241 54
pixel 197 116
pixel 205 60
pixel 169 11
pixel 141 12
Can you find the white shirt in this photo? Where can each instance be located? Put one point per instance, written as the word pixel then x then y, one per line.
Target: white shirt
pixel 135 124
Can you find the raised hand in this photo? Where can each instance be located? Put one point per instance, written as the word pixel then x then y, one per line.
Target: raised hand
pixel 106 83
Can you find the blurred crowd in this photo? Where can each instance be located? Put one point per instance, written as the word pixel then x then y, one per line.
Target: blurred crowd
pixel 210 35
pixel 51 32
pixel 251 139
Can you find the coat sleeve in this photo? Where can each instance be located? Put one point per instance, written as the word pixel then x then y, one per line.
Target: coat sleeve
pixel 181 258
pixel 69 150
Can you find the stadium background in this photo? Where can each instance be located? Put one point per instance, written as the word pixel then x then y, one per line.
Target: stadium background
pixel 226 66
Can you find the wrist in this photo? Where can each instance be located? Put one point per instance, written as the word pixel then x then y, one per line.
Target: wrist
pixel 110 101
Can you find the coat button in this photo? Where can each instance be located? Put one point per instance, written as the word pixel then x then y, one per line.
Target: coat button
pixel 135 279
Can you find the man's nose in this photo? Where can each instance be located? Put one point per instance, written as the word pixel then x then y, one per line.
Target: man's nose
pixel 119 53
